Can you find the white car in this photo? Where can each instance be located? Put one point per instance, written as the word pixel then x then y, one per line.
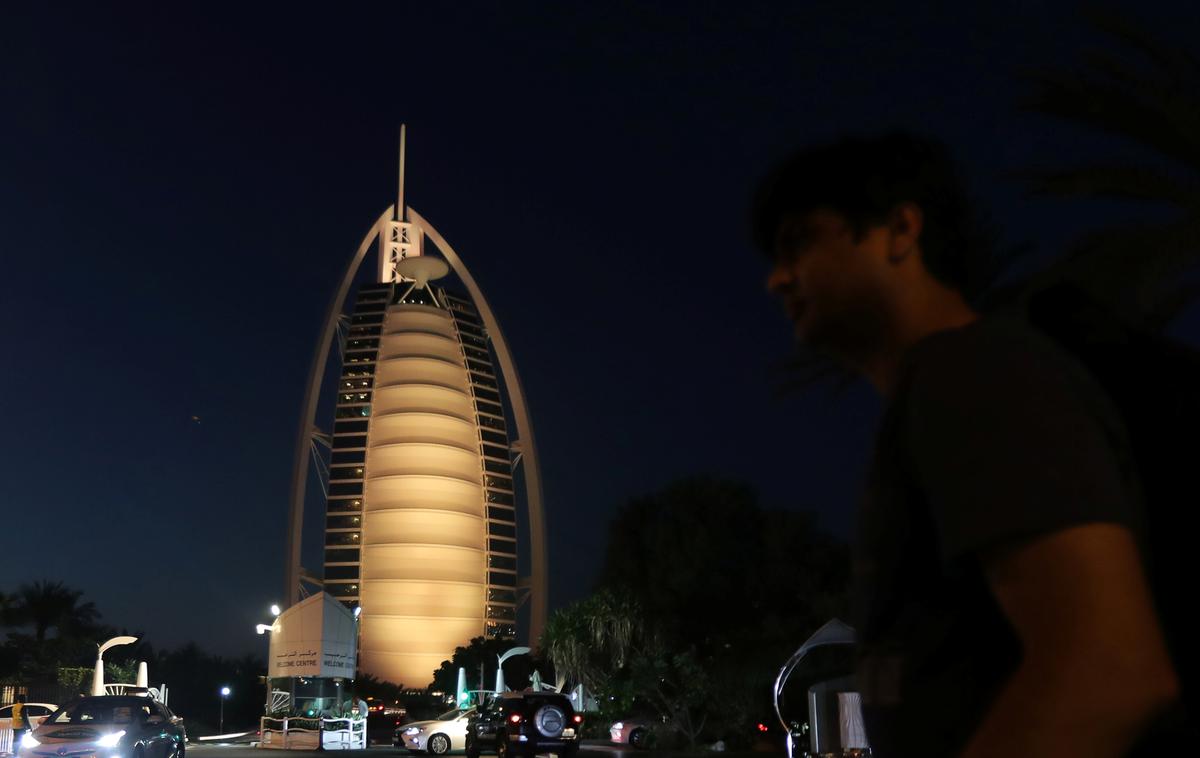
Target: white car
pixel 36 712
pixel 635 732
pixel 441 735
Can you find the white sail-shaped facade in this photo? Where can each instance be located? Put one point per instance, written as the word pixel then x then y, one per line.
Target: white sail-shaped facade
pixel 420 526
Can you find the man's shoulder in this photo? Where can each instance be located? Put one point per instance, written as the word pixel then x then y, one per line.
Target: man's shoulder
pixel 988 337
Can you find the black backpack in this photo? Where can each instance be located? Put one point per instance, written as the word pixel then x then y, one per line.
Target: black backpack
pixel 1154 382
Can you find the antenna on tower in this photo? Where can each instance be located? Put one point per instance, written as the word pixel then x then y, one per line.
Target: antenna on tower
pixel 401 212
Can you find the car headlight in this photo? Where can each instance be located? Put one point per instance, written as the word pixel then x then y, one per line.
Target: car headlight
pixel 111 740
pixel 413 730
pixel 29 740
pixel 618 725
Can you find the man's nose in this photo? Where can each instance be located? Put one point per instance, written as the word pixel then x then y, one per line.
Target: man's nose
pixel 778 279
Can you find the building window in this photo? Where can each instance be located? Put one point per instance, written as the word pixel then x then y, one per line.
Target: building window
pixel 342 589
pixel 496 452
pixel 360 357
pixel 343 442
pixel 483 381
pixel 350 398
pixel 502 545
pixel 345 427
pixel 354 370
pixel 502 596
pixel 502 530
pixel 502 482
pixel 480 392
pixel 345 472
pixel 350 505
pixel 500 514
pixel 348 456
pixel 505 612
pixel 481 367
pixel 346 488
pixel 494 423
pixel 341 555
pixel 498 578
pixel 503 498
pixel 342 538
pixel 497 467
pixel 357 384
pixel 486 407
pixel 494 437
pixel 500 629
pixel 352 521
pixel 502 562
pixel 352 411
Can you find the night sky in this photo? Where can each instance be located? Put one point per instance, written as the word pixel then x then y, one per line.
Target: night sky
pixel 181 188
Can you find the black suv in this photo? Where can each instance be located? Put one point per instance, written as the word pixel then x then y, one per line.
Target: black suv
pixel 524 724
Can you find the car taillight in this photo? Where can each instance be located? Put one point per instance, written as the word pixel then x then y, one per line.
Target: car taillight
pixel 515 718
pixel 578 719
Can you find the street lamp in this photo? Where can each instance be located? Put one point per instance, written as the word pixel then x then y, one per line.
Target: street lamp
pixel 224 694
pixel 98 674
pixel 275 610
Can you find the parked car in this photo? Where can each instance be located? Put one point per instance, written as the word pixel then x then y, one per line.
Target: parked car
pixel 127 725
pixel 438 736
pixel 524 724
pixel 35 712
pixel 637 733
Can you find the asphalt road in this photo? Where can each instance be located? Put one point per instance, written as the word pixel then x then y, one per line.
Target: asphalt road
pixel 380 751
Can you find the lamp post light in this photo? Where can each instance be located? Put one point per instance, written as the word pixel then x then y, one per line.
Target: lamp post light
pixel 224 694
pixel 98 674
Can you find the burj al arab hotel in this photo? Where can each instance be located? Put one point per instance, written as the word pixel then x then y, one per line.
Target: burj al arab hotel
pixel 430 426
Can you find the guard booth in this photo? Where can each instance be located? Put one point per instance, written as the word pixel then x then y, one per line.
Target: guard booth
pixel 314 648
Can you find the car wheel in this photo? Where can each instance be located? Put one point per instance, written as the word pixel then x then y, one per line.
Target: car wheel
pixel 439 744
pixel 637 739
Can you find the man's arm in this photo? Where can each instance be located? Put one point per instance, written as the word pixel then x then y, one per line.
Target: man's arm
pixel 1095 669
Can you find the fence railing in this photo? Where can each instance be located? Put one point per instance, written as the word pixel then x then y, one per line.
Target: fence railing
pixel 295 733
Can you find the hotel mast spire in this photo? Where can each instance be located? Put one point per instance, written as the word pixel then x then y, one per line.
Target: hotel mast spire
pixel 401 213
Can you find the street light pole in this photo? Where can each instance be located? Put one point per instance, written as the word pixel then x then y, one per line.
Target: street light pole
pixel 224 694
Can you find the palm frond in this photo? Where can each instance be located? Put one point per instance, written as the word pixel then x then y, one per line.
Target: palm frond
pixel 1175 61
pixel 1121 181
pixel 1168 127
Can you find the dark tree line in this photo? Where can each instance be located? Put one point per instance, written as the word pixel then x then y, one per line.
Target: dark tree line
pixel 703 595
pixel 50 646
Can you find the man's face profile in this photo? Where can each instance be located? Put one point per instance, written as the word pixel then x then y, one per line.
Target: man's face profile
pixel 830 283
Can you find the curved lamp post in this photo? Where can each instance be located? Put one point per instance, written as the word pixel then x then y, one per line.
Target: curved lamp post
pixel 98 675
pixel 500 686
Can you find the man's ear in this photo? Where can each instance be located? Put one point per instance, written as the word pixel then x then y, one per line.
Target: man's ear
pixel 905 223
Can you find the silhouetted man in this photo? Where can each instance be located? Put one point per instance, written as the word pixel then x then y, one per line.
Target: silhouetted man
pixel 1001 603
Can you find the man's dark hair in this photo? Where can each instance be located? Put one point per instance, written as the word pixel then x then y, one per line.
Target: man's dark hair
pixel 864 179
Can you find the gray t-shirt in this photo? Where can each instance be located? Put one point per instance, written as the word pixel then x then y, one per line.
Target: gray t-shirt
pixel 992 436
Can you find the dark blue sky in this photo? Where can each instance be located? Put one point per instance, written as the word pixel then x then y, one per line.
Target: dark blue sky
pixel 180 188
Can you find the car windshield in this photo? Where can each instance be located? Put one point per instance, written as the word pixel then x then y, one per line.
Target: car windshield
pixel 103 711
pixel 450 715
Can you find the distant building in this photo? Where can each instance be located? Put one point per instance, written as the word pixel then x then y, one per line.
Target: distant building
pixel 421 528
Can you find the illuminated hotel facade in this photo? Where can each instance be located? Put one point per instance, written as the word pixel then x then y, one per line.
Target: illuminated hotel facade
pixel 421 528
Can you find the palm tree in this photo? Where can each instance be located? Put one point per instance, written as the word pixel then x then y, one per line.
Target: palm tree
pixel 1146 93
pixel 52 605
